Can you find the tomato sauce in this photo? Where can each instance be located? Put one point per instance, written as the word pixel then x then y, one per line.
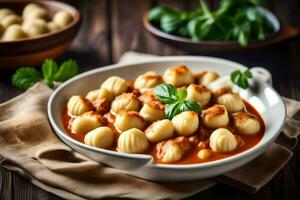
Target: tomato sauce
pixel 202 133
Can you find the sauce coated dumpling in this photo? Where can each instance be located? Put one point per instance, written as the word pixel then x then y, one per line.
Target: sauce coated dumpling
pixel 173 153
pixel 102 137
pixel 125 101
pixel 115 84
pixel 86 122
pixel 246 123
pixel 101 93
pixel 222 141
pixel 216 116
pixel 232 102
pixel 127 120
pixel 178 76
pixel 4 12
pixel 35 27
pixel 199 93
pixel 153 111
pixel 173 150
pixel 186 123
pixel 148 80
pixel 10 20
pixel 13 32
pixel 147 96
pixel 132 141
pixel 160 130
pixel 207 77
pixel 62 18
pixel 78 105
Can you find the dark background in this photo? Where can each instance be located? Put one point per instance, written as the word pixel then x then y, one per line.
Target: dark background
pixel 112 27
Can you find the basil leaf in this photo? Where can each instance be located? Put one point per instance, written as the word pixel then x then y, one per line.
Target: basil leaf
pixel 26 77
pixel 190 105
pixel 166 93
pixel 66 70
pixel 49 68
pixel 241 78
pixel 170 23
pixel 172 110
pixel 156 13
pixel 181 94
pixel 248 73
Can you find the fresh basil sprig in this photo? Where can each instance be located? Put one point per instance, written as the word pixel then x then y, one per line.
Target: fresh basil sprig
pixel 175 100
pixel 26 77
pixel 241 78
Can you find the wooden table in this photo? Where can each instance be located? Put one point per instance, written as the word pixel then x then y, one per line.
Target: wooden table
pixel 111 27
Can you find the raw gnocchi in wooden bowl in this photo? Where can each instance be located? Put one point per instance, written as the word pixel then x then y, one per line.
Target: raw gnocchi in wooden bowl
pixel 33 30
pixel 176 115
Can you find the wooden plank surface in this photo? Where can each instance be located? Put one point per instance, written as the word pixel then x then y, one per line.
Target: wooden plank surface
pixel 112 27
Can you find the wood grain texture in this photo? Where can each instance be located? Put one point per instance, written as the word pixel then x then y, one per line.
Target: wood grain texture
pixel 111 27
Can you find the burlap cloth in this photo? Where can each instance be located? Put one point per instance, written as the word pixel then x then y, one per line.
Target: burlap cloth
pixel 29 147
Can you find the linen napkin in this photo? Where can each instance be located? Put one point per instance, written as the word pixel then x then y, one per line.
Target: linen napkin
pixel 29 147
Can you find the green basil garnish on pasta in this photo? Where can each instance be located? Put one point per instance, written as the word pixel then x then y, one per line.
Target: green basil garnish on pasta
pixel 175 100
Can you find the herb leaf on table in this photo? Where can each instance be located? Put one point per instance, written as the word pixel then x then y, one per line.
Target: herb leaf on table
pixel 26 77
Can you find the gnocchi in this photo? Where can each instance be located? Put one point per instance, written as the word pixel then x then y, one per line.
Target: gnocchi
pixel 153 111
pixel 216 116
pixel 246 123
pixel 160 130
pixel 148 80
pixel 127 116
pixel 62 18
pixel 10 20
pixel 129 119
pixel 13 32
pixel 186 123
pixel 232 102
pixel 101 93
pixel 33 21
pixel 207 77
pixel 102 137
pixel 78 105
pixel 222 140
pixel 199 93
pixel 115 84
pixel 178 76
pixel 86 122
pixel 132 141
pixel 35 27
pixel 125 101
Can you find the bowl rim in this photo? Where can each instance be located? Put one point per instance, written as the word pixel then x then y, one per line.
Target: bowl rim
pixel 258 147
pixel 52 3
pixel 159 33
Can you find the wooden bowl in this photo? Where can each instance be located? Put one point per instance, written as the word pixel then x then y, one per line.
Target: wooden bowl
pixel 33 51
pixel 282 33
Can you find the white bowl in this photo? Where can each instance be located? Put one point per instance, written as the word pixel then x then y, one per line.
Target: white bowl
pixel 263 97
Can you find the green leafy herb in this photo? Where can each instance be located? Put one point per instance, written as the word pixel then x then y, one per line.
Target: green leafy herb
pixel 66 70
pixel 241 78
pixel 176 100
pixel 233 20
pixel 26 77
